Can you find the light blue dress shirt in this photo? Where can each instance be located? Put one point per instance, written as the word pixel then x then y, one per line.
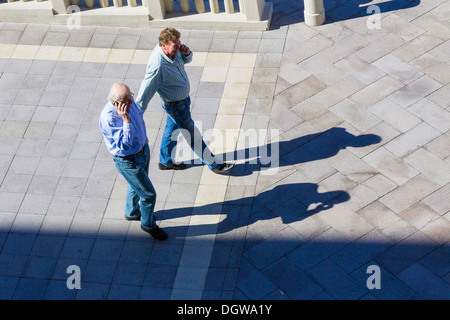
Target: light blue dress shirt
pixel 165 76
pixel 122 138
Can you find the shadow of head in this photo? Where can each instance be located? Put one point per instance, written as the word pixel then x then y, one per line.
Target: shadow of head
pixel 297 201
pixel 364 140
pixel 290 202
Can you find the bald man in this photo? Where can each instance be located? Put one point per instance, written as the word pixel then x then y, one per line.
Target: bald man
pixel 125 136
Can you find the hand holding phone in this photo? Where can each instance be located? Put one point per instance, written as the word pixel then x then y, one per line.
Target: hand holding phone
pixel 122 110
pixel 185 50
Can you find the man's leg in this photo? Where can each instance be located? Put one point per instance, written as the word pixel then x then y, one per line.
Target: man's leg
pixel 181 116
pixel 167 144
pixel 132 208
pixel 135 173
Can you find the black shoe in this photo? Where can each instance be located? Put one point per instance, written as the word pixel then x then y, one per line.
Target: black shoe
pixel 135 218
pixel 157 233
pixel 224 168
pixel 174 166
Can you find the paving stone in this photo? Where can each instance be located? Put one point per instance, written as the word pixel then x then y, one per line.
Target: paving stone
pixel 437 261
pixel 412 140
pixel 335 281
pixel 440 51
pixel 93 291
pixel 318 249
pixel 124 292
pixel 392 226
pixel 361 251
pixel 428 285
pixel 291 72
pixel 346 43
pixel 346 222
pixel 289 277
pixel 397 116
pixel 355 115
pixel 432 114
pixel 397 69
pixel 408 194
pixel 30 289
pixel 8 285
pixel 326 72
pixel 270 251
pixel 379 48
pixel 415 91
pixel 360 69
pixel 352 167
pixel 405 253
pixel 10 36
pixel 338 91
pixel 391 286
pixel 435 169
pixel 433 200
pixel 31 37
pixel 438 230
pixel 429 23
pixel 308 48
pixel 415 48
pixel 252 282
pixel 376 91
pixel 39 267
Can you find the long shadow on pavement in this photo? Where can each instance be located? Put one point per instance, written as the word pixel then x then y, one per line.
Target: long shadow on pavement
pixel 303 149
pixel 291 12
pixel 291 202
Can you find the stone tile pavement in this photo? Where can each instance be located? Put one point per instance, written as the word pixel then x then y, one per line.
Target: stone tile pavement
pixel 340 132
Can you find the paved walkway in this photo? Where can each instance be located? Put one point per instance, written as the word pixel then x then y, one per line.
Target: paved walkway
pixel 340 132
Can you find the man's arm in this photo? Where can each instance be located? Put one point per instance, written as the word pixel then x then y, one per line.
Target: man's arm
pixel 148 88
pixel 117 134
pixel 186 53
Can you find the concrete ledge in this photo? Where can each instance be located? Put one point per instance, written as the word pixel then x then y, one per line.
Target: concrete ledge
pixel 215 21
pixel 137 17
pixel 30 11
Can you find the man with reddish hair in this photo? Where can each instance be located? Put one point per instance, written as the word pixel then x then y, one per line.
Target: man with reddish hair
pixel 166 75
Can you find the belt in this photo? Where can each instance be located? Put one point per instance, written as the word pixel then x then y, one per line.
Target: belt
pixel 131 156
pixel 172 103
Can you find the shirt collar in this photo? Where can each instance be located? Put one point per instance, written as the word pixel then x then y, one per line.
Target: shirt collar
pixel 164 56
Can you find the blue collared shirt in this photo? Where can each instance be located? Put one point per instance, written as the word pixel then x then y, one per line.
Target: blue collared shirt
pixel 164 76
pixel 122 138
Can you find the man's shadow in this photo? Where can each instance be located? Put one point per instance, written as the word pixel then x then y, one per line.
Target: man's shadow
pixel 291 12
pixel 303 149
pixel 290 202
pixel 350 9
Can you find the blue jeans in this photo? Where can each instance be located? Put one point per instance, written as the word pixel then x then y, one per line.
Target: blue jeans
pixel 140 189
pixel 179 117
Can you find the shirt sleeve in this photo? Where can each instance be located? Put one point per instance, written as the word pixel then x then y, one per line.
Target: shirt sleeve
pixel 118 134
pixel 188 58
pixel 148 88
